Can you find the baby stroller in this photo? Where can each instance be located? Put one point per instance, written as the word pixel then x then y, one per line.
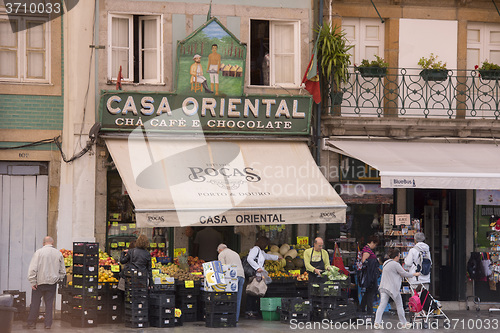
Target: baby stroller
pixel 424 307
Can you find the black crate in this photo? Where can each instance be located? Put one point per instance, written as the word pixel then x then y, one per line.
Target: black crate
pixel 132 313
pixel 193 305
pixel 115 308
pixel 85 269
pixel 156 311
pixel 133 293
pixel 189 315
pixel 66 316
pixel 102 307
pixel 86 280
pixel 115 299
pixel 296 305
pixel 83 321
pixel 327 302
pixel 88 260
pixel 114 318
pixel 162 300
pixel 83 300
pixel 220 297
pixel 21 315
pixel 85 290
pixel 286 316
pixel 179 321
pixel 85 248
pixel 181 288
pixel 90 312
pixel 136 324
pixel 137 304
pixel 340 313
pixel 329 290
pixel 101 318
pixel 220 320
pixel 162 321
pixel 367 318
pixel 220 307
pixel 163 288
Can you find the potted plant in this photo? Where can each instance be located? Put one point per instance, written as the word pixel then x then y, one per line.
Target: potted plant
pixel 432 69
pixel 334 57
pixel 489 71
pixel 374 68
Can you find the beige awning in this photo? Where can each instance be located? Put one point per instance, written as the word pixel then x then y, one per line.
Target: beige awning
pixel 427 164
pixel 174 182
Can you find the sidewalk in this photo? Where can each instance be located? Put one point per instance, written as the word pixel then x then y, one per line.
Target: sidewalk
pixel 472 321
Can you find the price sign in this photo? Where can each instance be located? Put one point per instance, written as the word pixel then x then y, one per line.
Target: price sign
pixel 196 273
pixel 179 251
pixel 114 245
pixel 155 271
pixel 131 225
pixel 121 244
pixel 114 224
pixel 189 284
pixel 153 262
pixel 115 268
pixel 116 215
pixel 294 271
pixel 302 240
pixel 152 245
pixel 161 245
pixel 123 227
pixel 127 244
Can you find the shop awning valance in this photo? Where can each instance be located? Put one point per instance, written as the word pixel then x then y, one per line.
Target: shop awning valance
pixel 179 182
pixel 428 164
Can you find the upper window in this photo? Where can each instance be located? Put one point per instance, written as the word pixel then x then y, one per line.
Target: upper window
pixel 134 44
pixel 483 43
pixel 274 53
pixel 366 36
pixel 24 55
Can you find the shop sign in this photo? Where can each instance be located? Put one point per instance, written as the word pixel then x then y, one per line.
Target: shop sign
pixel 174 113
pixel 356 171
pixel 402 219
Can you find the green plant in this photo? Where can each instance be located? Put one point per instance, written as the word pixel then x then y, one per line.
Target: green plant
pixel 333 54
pixel 378 62
pixel 431 63
pixel 489 66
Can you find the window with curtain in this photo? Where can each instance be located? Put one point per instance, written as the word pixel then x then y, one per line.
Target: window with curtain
pixel 23 55
pixel 135 46
pixel 274 53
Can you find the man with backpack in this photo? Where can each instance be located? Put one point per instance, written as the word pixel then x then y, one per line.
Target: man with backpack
pixel 419 260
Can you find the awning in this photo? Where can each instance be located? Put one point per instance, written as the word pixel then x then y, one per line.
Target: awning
pixel 428 165
pixel 180 182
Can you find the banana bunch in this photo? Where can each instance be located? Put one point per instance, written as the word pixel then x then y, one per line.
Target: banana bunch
pixel 219 287
pixel 300 249
pixel 272 266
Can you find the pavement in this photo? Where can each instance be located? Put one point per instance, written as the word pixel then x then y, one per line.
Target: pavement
pixel 473 321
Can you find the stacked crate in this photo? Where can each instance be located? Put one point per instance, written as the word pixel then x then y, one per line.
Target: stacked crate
pixel 187 299
pixel 19 298
pixel 83 311
pixel 162 308
pixel 136 299
pixel 295 308
pixel 220 309
pixel 330 301
pixel 109 303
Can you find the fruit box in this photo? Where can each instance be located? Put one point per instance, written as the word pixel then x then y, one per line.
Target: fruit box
pixel 230 271
pixel 231 286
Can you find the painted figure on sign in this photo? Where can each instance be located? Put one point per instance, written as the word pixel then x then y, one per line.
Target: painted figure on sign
pixel 197 77
pixel 214 61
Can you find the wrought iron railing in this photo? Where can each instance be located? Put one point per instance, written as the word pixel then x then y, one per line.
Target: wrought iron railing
pixel 405 92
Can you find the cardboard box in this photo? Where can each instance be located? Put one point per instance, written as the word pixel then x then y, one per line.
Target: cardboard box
pixel 230 271
pixel 213 273
pixel 231 286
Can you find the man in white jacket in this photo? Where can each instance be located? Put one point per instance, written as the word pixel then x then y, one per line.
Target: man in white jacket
pixel 412 259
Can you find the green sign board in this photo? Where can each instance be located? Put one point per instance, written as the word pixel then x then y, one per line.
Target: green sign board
pixel 356 171
pixel 176 113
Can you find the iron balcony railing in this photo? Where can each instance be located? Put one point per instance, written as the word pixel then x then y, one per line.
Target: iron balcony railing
pixel 410 92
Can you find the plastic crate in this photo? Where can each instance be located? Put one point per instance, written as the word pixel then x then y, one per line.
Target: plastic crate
pixel 137 304
pixel 90 260
pixel 162 300
pixel 161 322
pixel 220 296
pixel 220 307
pixel 220 320
pixel 270 303
pixel 188 306
pixel 114 318
pixel 83 300
pixel 115 308
pixel 132 273
pixel 85 248
pixel 270 315
pixel 85 269
pixel 296 305
pixel 161 312
pixel 181 288
pixel 286 316
pixel 189 315
pixel 340 313
pixel 90 311
pixel 82 321
pixel 163 288
pixel 19 298
pixel 136 324
pixel 327 302
pixel 137 292
pixel 115 298
pixel 86 280
pixel 136 283
pixel 323 289
pixel 132 313
pixel 85 290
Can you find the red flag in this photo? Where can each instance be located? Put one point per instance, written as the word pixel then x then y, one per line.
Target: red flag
pixel 311 76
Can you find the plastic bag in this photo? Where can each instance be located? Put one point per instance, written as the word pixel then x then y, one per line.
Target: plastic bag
pixel 257 287
pixel 265 276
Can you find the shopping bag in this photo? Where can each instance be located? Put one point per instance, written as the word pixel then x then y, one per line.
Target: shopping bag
pixel 257 287
pixel 338 262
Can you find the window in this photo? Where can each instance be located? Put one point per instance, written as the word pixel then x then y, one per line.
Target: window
pixel 367 37
pixel 274 53
pixel 483 43
pixel 24 55
pixel 134 43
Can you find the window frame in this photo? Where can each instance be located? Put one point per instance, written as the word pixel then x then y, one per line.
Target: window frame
pixel 22 50
pixel 483 46
pixel 272 54
pixel 133 44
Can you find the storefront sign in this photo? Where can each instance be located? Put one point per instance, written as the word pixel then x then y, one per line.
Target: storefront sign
pixel 302 240
pixel 356 171
pixel 402 219
pixel 173 113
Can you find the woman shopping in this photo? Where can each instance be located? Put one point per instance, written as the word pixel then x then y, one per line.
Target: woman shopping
pixel 370 274
pixel 256 257
pixel 138 258
pixel 390 285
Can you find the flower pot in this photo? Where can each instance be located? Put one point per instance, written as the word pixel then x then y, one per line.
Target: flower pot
pixel 493 74
pixel 434 74
pixel 337 97
pixel 372 71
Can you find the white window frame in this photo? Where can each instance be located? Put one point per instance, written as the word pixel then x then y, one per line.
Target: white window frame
pixel 484 46
pixel 22 57
pixel 358 52
pixel 296 51
pixel 131 46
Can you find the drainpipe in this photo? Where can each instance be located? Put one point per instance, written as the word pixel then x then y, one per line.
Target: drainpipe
pixel 318 106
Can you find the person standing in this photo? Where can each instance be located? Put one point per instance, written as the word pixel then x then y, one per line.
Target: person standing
pixel 139 258
pixel 213 68
pixel 390 285
pixel 316 260
pixel 229 257
pixel 45 270
pixel 371 273
pixel 206 242
pixel 412 259
pixel 256 257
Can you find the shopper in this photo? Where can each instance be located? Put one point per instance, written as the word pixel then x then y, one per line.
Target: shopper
pixel 316 261
pixel 229 257
pixel 206 242
pixel 369 274
pixel 121 283
pixel 414 259
pixel 390 285
pixel 45 270
pixel 256 257
pixel 138 258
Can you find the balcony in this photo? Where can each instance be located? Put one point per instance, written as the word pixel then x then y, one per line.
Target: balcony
pixel 403 92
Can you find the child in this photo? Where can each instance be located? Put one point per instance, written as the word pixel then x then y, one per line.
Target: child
pixel 390 285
